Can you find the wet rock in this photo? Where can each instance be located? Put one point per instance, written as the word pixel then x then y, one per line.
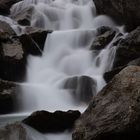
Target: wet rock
pixel 12 55
pixel 14 131
pixel 114 112
pixel 128 49
pixel 104 37
pixel 12 59
pixel 47 122
pixel 6 29
pixel 34 40
pixel 7 96
pixel 121 11
pixel 83 88
pixel 110 74
pixel 5 6
pixel 135 62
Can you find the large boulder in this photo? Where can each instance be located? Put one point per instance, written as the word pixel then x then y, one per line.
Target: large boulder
pixel 83 88
pixel 128 49
pixel 12 54
pixel 57 121
pixel 34 40
pixel 7 96
pixel 5 6
pixel 123 11
pixel 115 112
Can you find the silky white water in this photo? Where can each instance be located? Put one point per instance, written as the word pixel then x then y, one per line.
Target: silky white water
pixel 66 53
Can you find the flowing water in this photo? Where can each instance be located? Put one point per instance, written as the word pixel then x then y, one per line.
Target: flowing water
pixel 66 54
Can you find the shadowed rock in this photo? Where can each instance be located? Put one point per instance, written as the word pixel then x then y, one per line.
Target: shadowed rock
pixel 110 74
pixel 5 6
pixel 57 121
pixel 104 36
pixel 128 49
pixel 122 11
pixel 7 96
pixel 12 59
pixel 83 88
pixel 12 55
pixel 34 40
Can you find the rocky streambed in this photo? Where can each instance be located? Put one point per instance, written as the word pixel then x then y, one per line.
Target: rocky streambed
pixel 112 113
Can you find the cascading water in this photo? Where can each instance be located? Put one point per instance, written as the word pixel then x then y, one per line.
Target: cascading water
pixel 66 53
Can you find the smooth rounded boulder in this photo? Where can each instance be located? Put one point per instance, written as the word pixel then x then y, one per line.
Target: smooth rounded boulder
pixel 82 88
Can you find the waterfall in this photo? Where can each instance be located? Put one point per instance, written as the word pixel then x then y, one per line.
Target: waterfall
pixel 66 53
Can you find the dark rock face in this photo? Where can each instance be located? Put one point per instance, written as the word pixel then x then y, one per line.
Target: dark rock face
pixel 7 96
pixel 122 11
pixel 12 59
pixel 5 28
pixel 83 88
pixel 58 121
pixel 127 53
pixel 5 6
pixel 104 37
pixel 110 74
pixel 13 132
pixel 12 54
pixel 128 49
pixel 115 112
pixel 34 40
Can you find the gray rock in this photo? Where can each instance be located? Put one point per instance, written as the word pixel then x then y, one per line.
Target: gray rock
pixel 14 131
pixel 6 29
pixel 104 36
pixel 128 49
pixel 115 112
pixel 12 55
pixel 83 88
pixel 125 12
pixel 12 59
pixel 110 74
pixel 135 62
